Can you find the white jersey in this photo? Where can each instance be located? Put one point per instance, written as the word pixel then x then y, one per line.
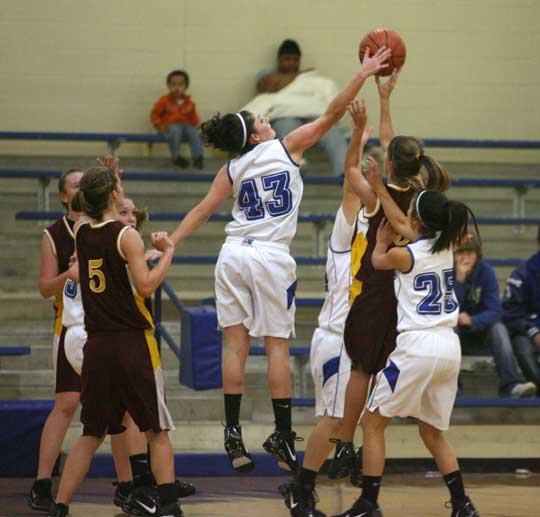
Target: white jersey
pixel 338 272
pixel 73 313
pixel 425 294
pixel 267 190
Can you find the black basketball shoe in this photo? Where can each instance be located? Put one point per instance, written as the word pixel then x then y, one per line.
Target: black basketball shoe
pixel 342 465
pixel 280 444
pixel 184 489
pixel 286 489
pixel 58 510
pixel 142 501
pixel 170 510
pixel 362 508
pixel 240 459
pixel 122 491
pixel 464 508
pixel 40 497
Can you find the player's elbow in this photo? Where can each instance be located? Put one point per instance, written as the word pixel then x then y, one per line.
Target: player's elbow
pixel 44 290
pixel 146 290
pixel 378 262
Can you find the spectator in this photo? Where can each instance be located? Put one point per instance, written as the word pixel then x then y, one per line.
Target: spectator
pixel 175 115
pixel 479 324
pixel 291 97
pixel 521 313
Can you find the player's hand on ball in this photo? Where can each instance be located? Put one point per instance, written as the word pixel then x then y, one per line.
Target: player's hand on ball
pixel 372 65
pixel 385 89
pixel 161 241
pixel 385 233
pixel 373 174
pixel 357 111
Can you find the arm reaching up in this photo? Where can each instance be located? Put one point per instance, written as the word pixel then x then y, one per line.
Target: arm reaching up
pixel 308 135
pixel 386 131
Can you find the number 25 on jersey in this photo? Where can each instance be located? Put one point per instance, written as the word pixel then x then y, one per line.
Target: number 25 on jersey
pixel 97 278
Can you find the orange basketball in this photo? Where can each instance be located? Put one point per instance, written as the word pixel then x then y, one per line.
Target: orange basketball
pixel 389 39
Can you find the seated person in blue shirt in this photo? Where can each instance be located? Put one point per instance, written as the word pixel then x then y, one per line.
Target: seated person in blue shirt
pixel 521 314
pixel 480 329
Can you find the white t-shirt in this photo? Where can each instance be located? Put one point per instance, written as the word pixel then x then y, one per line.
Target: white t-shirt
pixel 267 189
pixel 338 272
pixel 425 294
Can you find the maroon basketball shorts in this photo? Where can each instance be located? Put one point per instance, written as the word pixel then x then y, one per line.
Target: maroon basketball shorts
pixel 66 378
pixel 122 372
pixel 370 330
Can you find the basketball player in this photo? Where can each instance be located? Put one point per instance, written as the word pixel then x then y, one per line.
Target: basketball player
pixel 57 246
pixel 121 370
pixel 255 275
pixel 421 375
pixel 370 328
pixel 330 364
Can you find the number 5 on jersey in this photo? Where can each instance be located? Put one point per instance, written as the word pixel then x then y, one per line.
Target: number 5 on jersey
pixel 96 276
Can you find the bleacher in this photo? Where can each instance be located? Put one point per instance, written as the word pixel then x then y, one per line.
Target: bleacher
pixel 505 197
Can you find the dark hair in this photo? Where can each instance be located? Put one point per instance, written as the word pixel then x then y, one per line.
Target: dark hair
pixel 185 75
pixel 406 154
pixel 227 133
pixel 62 183
pixel 141 216
pixel 289 47
pixel 437 213
pixel 94 190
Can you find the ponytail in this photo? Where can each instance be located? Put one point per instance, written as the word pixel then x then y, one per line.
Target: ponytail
pixel 229 133
pixel 94 190
pixel 437 213
pixel 407 157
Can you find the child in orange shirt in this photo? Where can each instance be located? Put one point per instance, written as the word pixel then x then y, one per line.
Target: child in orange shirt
pixel 175 115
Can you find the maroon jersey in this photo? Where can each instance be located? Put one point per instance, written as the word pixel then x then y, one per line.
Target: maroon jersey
pixel 366 271
pixel 60 235
pixel 110 302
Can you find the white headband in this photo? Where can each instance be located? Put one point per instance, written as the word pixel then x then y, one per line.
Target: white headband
pixel 244 129
pixel 418 204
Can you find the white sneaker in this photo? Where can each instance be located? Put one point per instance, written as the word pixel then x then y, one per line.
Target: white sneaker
pixel 523 390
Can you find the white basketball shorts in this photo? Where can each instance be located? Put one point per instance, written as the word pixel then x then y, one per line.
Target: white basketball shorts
pixel 256 287
pixel 420 378
pixel 331 369
pixel 74 344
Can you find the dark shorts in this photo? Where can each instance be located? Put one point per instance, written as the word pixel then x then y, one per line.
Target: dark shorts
pixel 370 330
pixel 66 378
pixel 122 372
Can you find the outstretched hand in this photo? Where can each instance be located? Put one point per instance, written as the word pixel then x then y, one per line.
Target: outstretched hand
pixel 385 89
pixel 373 174
pixel 373 65
pixel 110 162
pixel 357 111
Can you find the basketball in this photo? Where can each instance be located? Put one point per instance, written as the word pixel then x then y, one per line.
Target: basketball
pixel 385 38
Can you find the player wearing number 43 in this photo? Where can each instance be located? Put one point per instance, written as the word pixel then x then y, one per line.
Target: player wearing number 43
pixel 421 374
pixel 255 274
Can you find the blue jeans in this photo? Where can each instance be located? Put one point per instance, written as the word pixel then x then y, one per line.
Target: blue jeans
pixel 178 133
pixel 333 142
pixel 527 357
pixel 495 340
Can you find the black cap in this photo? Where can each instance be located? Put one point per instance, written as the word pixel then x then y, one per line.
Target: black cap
pixel 290 47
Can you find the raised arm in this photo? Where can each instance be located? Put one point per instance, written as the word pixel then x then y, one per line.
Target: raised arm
pixel 220 190
pixel 50 282
pixel 386 131
pixel 145 280
pixel 355 185
pixel 300 139
pixel 399 221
